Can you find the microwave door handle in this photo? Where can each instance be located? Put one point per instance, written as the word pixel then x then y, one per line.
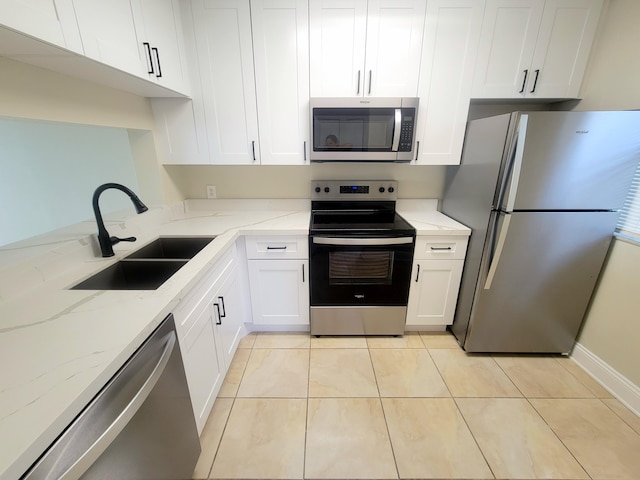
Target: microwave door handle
pixel 396 130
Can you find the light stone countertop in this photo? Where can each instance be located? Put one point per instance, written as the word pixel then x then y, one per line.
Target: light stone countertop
pixel 58 347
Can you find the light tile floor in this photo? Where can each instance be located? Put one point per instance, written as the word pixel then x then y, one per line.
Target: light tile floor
pixel 411 407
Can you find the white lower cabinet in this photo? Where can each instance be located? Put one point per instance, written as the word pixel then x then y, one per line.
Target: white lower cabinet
pixel 209 321
pixel 279 280
pixel 435 281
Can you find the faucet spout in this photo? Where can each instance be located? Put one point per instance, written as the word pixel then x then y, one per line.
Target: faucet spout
pixel 107 242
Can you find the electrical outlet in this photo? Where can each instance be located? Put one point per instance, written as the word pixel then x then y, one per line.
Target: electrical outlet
pixel 211 191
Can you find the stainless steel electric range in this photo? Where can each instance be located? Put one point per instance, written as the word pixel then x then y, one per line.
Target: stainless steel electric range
pixel 360 257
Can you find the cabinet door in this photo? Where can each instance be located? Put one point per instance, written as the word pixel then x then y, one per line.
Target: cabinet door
pixel 433 297
pixel 225 60
pixel 203 368
pixel 279 292
pixel 229 317
pixel 50 20
pixel 507 43
pixel 394 44
pixel 160 20
pixel 109 35
pixel 449 54
pixel 281 58
pixel 566 34
pixel 337 44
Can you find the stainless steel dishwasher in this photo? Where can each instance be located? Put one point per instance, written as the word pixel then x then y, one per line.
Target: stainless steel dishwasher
pixel 139 426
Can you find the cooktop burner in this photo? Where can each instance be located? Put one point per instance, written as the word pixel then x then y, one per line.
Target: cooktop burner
pixel 349 208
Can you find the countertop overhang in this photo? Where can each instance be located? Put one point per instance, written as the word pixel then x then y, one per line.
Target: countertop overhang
pixel 58 347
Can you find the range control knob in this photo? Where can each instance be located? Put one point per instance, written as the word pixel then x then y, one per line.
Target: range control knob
pixel 318 189
pixel 381 189
pixel 391 189
pixel 327 189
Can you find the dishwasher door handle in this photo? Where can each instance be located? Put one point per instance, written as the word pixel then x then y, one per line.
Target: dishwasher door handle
pixel 87 458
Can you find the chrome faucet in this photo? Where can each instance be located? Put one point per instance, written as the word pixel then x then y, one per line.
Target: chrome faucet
pixel 107 242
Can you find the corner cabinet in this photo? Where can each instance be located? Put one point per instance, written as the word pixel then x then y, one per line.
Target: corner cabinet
pixel 210 323
pixel 437 270
pixel 279 280
pixel 535 49
pixel 449 51
pixel 365 47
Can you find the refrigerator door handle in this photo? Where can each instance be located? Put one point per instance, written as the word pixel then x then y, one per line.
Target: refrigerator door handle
pixel 512 172
pixel 497 252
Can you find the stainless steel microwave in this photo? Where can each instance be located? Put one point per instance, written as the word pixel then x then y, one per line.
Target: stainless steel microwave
pixel 361 129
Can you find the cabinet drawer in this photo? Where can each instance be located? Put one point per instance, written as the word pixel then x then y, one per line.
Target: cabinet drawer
pixel 437 247
pixel 277 247
pixel 186 312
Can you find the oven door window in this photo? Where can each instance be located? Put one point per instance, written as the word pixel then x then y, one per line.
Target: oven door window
pixel 360 268
pixel 359 275
pixel 353 129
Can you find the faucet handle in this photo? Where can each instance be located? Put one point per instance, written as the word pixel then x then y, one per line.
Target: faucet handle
pixel 115 240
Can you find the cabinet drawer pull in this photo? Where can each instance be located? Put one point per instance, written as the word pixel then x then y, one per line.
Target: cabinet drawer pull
pixel 303 273
pixel 150 67
pixel 418 274
pixel 535 81
pixel 224 310
pixel 304 151
pixel 218 317
pixel 440 249
pixel 524 81
pixel 159 73
pixel 276 248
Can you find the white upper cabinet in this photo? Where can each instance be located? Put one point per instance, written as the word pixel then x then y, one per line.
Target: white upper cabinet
pixel 535 49
pixel 52 21
pixel 452 31
pixel 281 59
pixel 225 63
pixel 160 42
pixel 109 34
pixel 365 48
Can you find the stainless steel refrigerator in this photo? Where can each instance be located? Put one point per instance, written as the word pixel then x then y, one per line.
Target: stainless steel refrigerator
pixel 541 192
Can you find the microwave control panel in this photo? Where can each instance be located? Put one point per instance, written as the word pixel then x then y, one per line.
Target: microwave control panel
pixel 406 129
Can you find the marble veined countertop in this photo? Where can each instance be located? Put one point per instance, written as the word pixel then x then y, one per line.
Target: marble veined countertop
pixel 58 346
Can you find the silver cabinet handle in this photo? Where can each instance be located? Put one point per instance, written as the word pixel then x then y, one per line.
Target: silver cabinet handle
pixel 304 151
pixel 396 130
pixel 370 72
pixel 358 90
pixel 303 273
pixel 362 241
pixel 105 439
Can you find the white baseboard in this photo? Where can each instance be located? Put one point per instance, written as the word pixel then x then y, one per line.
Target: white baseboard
pixel 620 387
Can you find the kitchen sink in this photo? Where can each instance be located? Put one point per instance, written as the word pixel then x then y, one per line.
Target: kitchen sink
pixel 132 275
pixel 172 247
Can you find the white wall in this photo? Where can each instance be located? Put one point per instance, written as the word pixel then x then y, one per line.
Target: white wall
pixel 612 327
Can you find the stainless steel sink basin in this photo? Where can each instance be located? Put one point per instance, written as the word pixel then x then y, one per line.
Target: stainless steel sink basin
pixel 172 247
pixel 132 275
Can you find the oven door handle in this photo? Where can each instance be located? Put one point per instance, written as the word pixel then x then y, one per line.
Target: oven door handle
pixel 362 241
